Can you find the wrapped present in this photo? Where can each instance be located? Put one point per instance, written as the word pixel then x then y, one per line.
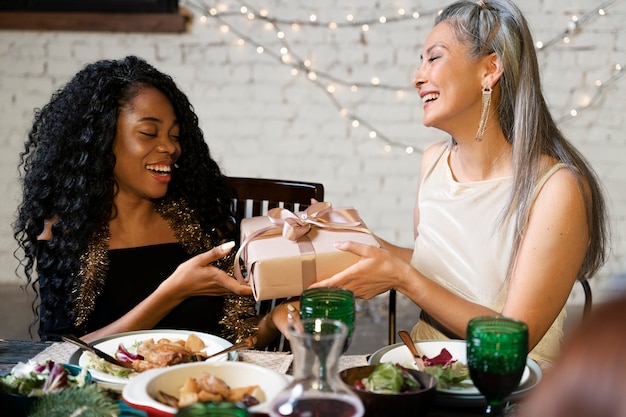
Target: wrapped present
pixel 285 252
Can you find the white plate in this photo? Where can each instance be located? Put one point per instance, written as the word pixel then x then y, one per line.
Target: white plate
pixel 142 392
pixel 431 348
pixel 110 344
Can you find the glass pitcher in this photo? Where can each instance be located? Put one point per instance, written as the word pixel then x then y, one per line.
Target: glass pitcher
pixel 317 390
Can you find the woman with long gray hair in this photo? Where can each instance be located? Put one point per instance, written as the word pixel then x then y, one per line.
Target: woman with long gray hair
pixel 508 213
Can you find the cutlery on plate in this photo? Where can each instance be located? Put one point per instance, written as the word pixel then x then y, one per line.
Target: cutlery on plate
pixel 86 346
pixel 248 342
pixel 406 338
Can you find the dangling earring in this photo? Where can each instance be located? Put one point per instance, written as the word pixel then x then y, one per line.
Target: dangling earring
pixel 484 113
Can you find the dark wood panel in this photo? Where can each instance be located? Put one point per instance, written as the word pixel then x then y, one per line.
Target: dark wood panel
pixel 97 22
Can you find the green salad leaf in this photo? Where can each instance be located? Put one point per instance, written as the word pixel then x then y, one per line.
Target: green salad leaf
pixel 389 378
pixel 448 375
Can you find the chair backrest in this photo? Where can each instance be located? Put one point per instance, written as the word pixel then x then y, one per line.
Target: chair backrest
pixel 255 196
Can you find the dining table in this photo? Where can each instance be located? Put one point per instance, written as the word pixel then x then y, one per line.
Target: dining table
pixel 15 351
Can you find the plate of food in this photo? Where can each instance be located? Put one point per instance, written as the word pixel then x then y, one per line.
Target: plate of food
pixel 446 360
pixel 148 349
pixel 161 392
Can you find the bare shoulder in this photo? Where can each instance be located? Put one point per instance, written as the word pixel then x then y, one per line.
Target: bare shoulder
pixel 431 152
pixel 565 191
pixel 429 155
pixel 46 234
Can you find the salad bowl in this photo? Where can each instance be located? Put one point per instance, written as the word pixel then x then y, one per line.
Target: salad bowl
pixel 413 403
pixel 23 386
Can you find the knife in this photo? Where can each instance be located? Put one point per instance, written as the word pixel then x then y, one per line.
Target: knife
pixel 70 338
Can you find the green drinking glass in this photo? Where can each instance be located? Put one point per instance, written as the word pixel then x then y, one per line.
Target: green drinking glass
pixel 497 348
pixel 329 303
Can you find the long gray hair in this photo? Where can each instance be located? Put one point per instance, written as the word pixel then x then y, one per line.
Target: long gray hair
pixel 498 26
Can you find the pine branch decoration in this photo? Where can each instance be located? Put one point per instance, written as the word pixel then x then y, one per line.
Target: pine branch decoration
pixel 87 401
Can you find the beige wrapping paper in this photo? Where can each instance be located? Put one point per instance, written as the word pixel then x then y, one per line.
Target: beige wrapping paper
pixel 279 267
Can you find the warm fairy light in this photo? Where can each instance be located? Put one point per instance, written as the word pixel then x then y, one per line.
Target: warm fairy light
pixel 329 83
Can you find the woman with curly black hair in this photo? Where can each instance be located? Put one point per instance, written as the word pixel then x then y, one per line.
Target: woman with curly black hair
pixel 125 218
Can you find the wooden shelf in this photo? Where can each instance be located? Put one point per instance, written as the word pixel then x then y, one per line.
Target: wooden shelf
pixel 97 22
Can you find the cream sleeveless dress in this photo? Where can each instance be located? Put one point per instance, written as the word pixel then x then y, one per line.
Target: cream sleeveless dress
pixel 462 246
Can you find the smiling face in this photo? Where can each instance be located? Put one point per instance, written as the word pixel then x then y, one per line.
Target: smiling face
pixel 146 145
pixel 449 83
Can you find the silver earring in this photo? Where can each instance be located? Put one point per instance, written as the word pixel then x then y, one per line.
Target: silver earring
pixel 484 113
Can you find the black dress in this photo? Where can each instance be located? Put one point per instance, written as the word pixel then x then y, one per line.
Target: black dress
pixel 134 273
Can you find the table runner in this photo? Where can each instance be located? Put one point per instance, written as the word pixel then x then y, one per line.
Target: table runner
pixel 278 361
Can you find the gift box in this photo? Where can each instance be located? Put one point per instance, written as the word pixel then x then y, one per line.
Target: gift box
pixel 285 252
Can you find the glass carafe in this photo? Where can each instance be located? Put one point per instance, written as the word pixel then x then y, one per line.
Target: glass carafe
pixel 316 390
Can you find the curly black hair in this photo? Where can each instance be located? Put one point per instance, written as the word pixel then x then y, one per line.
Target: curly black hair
pixel 67 175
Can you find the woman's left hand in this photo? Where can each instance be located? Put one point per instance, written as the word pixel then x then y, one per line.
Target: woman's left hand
pixel 377 271
pixel 198 276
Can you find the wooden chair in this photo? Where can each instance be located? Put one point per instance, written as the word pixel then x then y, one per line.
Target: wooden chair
pixel 255 196
pixel 392 308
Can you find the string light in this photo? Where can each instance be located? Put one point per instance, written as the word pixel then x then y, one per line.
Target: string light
pixel 328 83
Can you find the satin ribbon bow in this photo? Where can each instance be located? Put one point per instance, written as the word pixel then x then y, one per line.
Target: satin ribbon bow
pixel 293 226
pixel 296 225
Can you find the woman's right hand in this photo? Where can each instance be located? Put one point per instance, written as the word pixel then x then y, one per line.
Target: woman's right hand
pixel 198 276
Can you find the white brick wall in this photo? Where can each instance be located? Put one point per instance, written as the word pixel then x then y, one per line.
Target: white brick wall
pixel 261 121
